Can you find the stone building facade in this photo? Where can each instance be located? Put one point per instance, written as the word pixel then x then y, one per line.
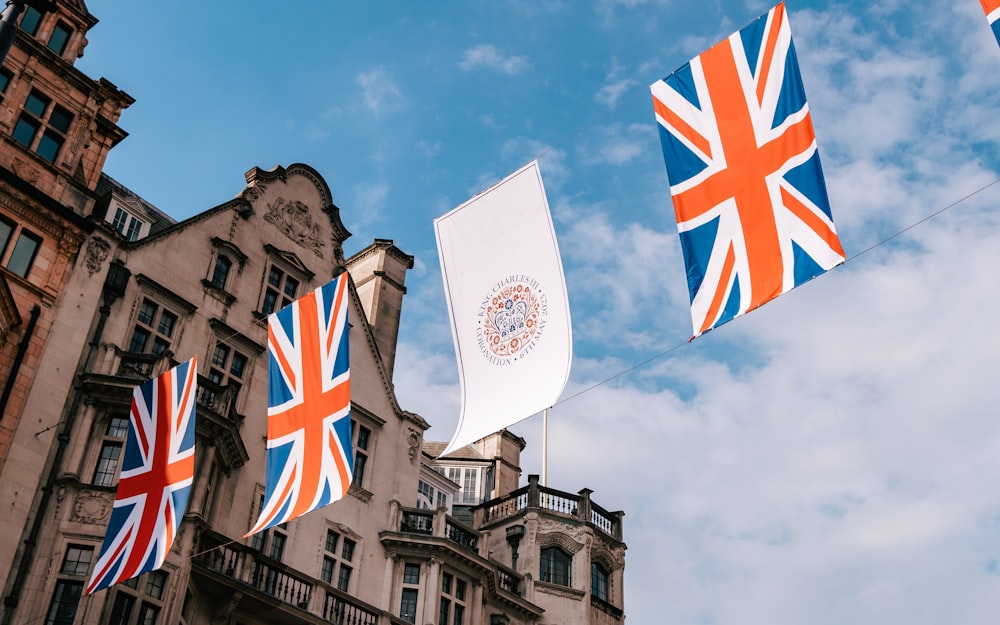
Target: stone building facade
pixel 56 128
pixel 411 542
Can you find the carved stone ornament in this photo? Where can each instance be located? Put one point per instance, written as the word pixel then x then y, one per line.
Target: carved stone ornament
pixel 413 444
pixel 296 223
pixel 91 508
pixel 97 253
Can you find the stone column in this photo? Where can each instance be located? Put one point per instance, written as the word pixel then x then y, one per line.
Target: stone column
pixel 430 590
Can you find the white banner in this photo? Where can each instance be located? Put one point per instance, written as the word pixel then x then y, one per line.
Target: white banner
pixel 506 295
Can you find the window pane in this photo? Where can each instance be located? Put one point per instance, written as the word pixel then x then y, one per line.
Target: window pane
pixel 291 287
pixel 138 342
pixel 36 104
pixel 408 606
pixel 326 573
pixel 445 611
pixel 221 272
pixel 239 365
pixel 24 131
pixel 48 146
pixel 60 35
pixel 31 20
pixel 459 614
pixel 460 589
pixel 155 582
pixel 167 322
pixel 364 434
pixel 274 277
pixel 107 464
pixel 270 299
pixel 411 573
pixel 359 468
pixel 64 601
pixel 117 427
pixel 23 254
pixel 60 119
pixel 77 560
pixel 6 228
pixel 159 346
pixel 277 546
pixel 331 541
pixel 146 312
pixel 220 355
pixel 122 610
pixel 5 78
pixel 148 614
pixel 344 579
pixel 119 221
pixel 348 552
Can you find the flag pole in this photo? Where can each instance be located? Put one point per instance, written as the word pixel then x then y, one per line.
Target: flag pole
pixel 545 443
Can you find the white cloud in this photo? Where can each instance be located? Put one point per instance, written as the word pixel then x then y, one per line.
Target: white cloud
pixel 486 55
pixel 379 92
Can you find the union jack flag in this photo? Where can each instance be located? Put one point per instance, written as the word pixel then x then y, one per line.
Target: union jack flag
pixel 745 176
pixel 155 481
pixel 309 456
pixel 992 9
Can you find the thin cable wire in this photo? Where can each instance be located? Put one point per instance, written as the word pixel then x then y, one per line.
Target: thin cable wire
pixel 847 260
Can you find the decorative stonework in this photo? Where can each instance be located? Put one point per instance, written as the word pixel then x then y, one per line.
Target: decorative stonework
pixel 97 252
pixel 413 444
pixel 558 539
pixel 25 171
pixel 557 590
pixel 91 508
pixel 296 223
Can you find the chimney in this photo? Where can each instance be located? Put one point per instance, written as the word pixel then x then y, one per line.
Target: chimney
pixel 379 272
pixel 504 449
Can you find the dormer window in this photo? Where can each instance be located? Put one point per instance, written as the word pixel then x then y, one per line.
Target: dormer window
pixel 127 224
pixel 59 38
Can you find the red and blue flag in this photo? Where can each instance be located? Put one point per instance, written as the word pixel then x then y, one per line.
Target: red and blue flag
pixel 745 176
pixel 309 456
pixel 155 481
pixel 992 9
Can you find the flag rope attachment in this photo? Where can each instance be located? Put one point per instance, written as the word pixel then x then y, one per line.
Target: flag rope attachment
pixel 847 260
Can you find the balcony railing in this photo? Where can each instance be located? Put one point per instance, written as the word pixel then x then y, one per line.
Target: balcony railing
pixel 426 523
pixel 533 495
pixel 340 611
pixel 250 568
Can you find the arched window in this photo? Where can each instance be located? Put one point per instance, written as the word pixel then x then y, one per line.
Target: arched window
pixel 555 565
pixel 598 582
pixel 221 272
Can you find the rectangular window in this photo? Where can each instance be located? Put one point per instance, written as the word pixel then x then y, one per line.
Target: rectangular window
pixel 121 611
pixel 23 256
pixel 344 578
pixel 76 562
pixel 280 291
pixel 60 37
pixel 42 126
pixel 127 224
pixel 107 465
pixel 331 562
pixel 362 440
pixel 408 605
pixel 152 315
pixel 469 492
pixel 411 573
pixel 62 610
pixel 5 77
pixel 31 20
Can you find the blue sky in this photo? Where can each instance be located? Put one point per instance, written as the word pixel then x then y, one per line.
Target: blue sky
pixel 832 457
